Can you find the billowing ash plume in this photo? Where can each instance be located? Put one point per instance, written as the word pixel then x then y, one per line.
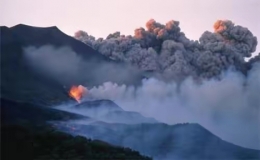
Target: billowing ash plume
pixel 224 102
pixel 165 49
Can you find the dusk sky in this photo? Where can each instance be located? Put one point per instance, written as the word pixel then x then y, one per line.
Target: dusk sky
pixel 101 17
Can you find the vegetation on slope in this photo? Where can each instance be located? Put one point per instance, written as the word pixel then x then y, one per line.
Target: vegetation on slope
pixel 45 143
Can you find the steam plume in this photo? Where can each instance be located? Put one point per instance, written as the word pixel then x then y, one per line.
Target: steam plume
pixel 226 107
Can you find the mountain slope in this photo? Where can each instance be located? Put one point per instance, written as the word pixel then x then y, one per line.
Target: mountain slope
pixel 22 143
pixel 22 81
pixel 13 112
pixel 162 141
pixel 26 135
pixel 107 111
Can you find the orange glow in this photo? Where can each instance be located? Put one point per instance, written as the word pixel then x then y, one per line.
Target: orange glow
pixel 77 92
pixel 219 26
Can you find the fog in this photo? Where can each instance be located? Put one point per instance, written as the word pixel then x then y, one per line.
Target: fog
pixel 64 65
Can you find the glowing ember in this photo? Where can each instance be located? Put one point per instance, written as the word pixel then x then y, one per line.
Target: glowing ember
pixel 77 92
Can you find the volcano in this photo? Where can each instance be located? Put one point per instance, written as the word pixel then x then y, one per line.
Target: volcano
pixel 28 96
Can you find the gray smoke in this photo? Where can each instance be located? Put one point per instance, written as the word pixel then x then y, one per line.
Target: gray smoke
pixel 166 50
pixel 229 107
pixel 59 63
pixel 70 68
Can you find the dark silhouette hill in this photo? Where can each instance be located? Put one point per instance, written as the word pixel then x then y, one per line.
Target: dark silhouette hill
pixel 26 135
pixel 22 143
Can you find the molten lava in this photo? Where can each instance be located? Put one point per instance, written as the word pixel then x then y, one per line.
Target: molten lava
pixel 77 92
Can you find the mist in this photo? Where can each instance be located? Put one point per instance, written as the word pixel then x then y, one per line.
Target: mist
pixel 58 63
pixel 229 107
pixel 64 65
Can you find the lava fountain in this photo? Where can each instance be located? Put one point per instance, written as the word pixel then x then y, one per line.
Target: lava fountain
pixel 77 92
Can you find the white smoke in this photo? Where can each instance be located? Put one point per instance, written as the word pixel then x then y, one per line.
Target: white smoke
pixel 230 107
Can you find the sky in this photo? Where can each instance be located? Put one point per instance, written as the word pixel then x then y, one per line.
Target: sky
pixel 102 17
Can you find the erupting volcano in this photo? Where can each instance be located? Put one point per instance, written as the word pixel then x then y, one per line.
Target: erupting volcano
pixel 153 93
pixel 77 92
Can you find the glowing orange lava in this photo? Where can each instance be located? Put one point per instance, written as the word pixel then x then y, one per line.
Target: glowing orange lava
pixel 77 92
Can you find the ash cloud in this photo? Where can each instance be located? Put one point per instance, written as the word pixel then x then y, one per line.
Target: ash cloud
pixel 166 50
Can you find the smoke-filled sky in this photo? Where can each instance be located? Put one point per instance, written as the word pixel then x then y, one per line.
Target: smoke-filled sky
pixel 100 18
